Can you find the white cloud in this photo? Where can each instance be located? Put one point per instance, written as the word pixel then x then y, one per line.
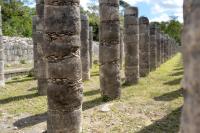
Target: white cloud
pixel 160 18
pixel 162 9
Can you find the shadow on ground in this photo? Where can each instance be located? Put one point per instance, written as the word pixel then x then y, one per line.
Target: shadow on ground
pixel 93 103
pixel 33 89
pixel 170 96
pixel 39 118
pixel 177 73
pixel 178 69
pixel 92 92
pixel 173 82
pixel 19 80
pixel 168 124
pixel 18 98
pixel 31 120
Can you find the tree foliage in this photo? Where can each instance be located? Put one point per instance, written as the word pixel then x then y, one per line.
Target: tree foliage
pixel 16 18
pixel 173 28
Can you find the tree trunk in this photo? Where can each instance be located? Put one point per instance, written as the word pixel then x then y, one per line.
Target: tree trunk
pixel 2 81
pixel 62 51
pixel 41 61
pixel 91 46
pixel 191 57
pixel 131 23
pixel 109 49
pixel 85 58
pixel 153 47
pixel 144 47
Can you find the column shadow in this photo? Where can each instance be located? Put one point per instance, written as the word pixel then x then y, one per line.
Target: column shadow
pixel 168 124
pixel 18 98
pixel 39 118
pixel 173 82
pixel 170 96
pixel 31 120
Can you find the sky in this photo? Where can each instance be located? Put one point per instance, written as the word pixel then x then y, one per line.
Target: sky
pixel 155 10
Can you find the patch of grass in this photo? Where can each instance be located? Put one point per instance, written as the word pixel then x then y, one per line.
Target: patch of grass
pixel 151 106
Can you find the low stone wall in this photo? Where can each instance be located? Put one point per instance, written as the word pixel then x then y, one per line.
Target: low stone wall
pixel 17 50
pixel 16 72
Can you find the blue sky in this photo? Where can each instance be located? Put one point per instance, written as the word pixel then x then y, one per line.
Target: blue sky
pixel 155 10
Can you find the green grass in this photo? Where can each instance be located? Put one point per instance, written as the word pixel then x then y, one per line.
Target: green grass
pixel 152 106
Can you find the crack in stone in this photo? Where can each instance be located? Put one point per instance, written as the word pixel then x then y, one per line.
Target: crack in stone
pixel 64 3
pixel 110 62
pixel 55 59
pixel 109 4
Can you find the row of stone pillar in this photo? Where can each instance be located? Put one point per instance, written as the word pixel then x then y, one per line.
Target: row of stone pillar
pixel 67 53
pixel 146 47
pixel 40 63
pixel 62 59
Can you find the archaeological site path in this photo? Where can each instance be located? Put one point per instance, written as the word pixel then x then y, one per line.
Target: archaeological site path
pixel 152 106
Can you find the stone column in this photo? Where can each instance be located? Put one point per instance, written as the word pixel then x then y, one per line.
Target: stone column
pixel 162 46
pixel 165 47
pixel 170 47
pixel 131 23
pixel 2 80
pixel 91 45
pixel 41 61
pixel 34 22
pixel 191 58
pixel 158 46
pixel 62 51
pixel 109 49
pixel 144 46
pixel 153 47
pixel 121 47
pixel 85 57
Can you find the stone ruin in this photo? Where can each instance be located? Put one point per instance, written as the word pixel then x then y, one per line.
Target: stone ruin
pixel 17 49
pixel 62 45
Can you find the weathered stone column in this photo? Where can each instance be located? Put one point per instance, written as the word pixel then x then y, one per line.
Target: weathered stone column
pixel 62 51
pixel 121 47
pixel 162 46
pixel 109 49
pixel 191 49
pixel 34 22
pixel 91 45
pixel 170 48
pixel 153 47
pixel 158 46
pixel 131 23
pixel 144 46
pixel 85 57
pixel 2 80
pixel 39 55
pixel 165 47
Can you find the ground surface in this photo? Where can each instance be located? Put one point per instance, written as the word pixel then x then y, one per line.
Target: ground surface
pixel 152 106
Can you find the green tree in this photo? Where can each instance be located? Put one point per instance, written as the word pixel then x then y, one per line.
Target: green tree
pixel 17 18
pixel 172 28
